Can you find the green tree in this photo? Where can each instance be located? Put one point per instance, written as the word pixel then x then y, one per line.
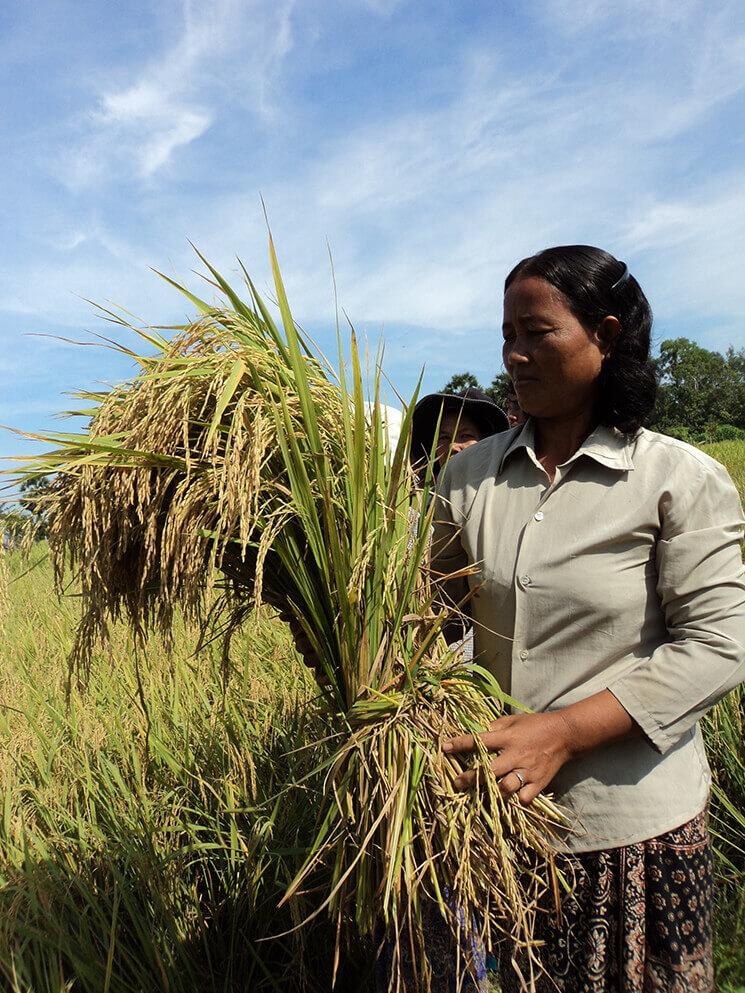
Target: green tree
pixel 698 388
pixel 500 388
pixel 736 366
pixel 461 381
pixel 33 502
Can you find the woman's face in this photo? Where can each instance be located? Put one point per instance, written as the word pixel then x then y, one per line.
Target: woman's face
pixel 553 360
pixel 456 433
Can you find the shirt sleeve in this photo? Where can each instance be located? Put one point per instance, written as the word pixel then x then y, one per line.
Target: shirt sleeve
pixel 701 587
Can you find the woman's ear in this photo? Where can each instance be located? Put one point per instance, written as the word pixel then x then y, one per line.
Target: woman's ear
pixel 606 333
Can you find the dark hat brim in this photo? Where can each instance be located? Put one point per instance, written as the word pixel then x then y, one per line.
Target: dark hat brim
pixel 490 418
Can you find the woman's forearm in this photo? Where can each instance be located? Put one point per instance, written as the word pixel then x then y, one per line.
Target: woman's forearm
pixel 596 721
pixel 531 748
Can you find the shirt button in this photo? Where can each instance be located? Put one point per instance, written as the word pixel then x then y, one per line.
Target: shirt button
pixel 523 654
pixel 526 580
pixel 538 516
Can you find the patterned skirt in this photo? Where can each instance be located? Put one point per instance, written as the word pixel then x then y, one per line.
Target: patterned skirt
pixel 638 921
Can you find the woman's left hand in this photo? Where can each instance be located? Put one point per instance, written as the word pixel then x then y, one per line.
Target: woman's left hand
pixel 530 750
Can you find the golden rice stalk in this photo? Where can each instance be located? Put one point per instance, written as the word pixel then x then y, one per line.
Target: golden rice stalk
pixel 237 460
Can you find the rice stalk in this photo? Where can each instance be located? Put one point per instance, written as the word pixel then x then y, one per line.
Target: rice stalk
pixel 238 468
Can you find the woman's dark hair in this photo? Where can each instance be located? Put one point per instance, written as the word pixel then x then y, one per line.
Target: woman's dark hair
pixel 595 285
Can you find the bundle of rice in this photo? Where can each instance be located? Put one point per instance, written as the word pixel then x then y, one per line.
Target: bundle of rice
pixel 238 468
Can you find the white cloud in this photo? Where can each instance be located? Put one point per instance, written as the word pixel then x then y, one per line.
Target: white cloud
pixel 135 129
pixel 152 121
pixel 426 211
pixel 628 19
pixel 187 126
pixel 695 249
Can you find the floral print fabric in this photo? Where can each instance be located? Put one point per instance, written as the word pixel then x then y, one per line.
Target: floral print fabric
pixel 638 921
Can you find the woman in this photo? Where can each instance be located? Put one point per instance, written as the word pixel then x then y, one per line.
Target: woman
pixel 611 601
pixel 460 420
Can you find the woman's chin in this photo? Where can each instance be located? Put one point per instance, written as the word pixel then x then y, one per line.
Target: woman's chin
pixel 532 409
pixel 529 396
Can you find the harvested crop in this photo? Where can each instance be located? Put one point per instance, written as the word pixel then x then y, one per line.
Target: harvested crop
pixel 238 467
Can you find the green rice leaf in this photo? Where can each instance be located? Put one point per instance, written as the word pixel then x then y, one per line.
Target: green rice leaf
pixel 228 392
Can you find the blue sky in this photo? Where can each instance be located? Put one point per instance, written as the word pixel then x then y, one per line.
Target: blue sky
pixel 432 144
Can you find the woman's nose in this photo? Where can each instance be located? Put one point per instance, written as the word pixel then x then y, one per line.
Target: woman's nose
pixel 515 355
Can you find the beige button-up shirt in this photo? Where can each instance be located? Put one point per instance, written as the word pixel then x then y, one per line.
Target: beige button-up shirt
pixel 625 573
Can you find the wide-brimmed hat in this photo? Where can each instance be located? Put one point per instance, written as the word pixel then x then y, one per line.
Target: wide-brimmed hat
pixel 479 406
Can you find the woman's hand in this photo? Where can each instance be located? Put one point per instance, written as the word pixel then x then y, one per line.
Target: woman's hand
pixel 530 749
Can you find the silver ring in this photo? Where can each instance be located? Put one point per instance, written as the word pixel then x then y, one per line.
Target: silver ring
pixel 520 777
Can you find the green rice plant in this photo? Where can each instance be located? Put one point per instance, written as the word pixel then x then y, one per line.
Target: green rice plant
pixel 237 468
pixel 149 849
pixel 732 455
pixel 724 733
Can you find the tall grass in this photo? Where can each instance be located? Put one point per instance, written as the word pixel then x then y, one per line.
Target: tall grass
pixel 148 849
pixel 724 729
pixel 725 734
pixel 732 455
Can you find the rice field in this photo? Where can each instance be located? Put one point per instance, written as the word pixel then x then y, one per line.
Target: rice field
pixel 147 833
pixel 731 454
pixel 144 838
pixel 725 729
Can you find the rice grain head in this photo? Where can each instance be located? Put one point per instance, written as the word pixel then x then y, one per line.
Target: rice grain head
pixel 237 468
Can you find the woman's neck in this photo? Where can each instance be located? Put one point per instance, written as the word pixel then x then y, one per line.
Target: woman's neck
pixel 557 439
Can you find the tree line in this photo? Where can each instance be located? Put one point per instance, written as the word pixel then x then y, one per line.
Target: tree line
pixel 700 396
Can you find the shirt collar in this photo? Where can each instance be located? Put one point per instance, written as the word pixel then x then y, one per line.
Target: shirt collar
pixel 605 445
